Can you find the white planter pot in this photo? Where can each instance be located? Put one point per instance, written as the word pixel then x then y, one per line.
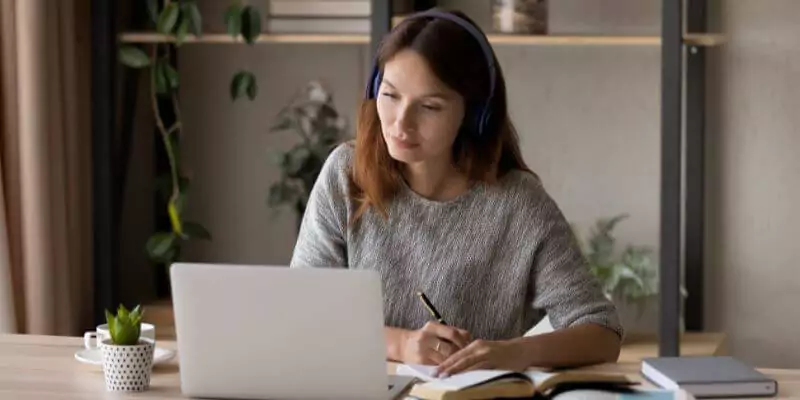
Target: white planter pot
pixel 127 368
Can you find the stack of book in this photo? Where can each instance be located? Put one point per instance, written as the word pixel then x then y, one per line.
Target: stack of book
pixel 319 16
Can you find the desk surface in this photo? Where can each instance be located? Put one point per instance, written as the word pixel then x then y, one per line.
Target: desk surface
pixel 44 367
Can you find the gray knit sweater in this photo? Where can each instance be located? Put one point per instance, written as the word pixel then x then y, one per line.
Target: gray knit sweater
pixel 493 261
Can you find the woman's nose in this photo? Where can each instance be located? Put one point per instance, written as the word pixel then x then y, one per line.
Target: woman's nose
pixel 406 120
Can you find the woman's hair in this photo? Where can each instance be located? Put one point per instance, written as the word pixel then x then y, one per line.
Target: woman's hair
pixel 456 58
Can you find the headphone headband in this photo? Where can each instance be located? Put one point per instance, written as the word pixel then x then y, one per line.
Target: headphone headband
pixel 484 113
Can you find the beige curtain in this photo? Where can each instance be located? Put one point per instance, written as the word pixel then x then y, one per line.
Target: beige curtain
pixel 45 237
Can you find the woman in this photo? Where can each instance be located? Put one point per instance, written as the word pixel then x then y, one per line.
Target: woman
pixel 434 195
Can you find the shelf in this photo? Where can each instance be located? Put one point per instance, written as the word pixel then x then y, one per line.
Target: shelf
pixel 563 40
pixel 693 39
pixel 223 38
pixel 704 39
pixel 558 40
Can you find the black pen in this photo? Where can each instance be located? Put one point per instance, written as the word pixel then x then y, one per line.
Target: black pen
pixel 431 309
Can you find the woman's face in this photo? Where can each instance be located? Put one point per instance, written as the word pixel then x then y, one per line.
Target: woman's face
pixel 420 116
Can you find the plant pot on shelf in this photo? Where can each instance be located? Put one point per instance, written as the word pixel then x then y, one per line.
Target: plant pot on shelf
pixel 127 368
pixel 641 318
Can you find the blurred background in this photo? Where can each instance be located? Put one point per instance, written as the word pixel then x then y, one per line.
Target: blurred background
pixel 235 119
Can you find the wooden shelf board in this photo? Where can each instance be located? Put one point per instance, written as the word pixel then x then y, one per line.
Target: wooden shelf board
pixel 496 39
pixel 705 39
pixel 637 347
pixel 222 38
pixel 562 40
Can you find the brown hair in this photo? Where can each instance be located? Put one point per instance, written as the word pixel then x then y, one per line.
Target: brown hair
pixel 455 56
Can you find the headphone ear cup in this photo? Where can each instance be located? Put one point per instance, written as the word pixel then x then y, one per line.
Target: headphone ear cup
pixel 476 120
pixel 376 83
pixel 485 120
pixel 372 84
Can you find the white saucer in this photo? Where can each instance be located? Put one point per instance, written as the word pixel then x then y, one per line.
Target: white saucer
pixel 95 357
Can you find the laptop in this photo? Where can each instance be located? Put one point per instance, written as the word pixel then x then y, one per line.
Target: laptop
pixel 271 332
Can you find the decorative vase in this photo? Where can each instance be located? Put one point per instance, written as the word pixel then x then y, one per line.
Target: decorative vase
pixel 520 16
pixel 127 368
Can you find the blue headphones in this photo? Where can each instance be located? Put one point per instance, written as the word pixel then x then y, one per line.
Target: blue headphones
pixel 477 120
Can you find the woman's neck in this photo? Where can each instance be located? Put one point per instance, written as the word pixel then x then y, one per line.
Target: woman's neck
pixel 436 181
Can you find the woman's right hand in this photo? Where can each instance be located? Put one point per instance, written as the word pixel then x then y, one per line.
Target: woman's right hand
pixel 432 344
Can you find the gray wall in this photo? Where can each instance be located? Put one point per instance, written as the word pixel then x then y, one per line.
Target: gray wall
pixel 589 122
pixel 753 181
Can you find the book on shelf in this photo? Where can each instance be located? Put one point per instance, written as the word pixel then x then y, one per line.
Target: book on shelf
pixel 318 25
pixel 332 16
pixel 320 8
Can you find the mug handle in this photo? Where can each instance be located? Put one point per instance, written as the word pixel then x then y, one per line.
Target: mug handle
pixel 87 340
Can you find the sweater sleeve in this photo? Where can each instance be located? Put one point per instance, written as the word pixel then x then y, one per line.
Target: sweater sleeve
pixel 321 241
pixel 561 281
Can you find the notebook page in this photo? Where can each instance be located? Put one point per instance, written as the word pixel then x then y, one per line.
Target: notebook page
pixel 423 372
pixel 465 379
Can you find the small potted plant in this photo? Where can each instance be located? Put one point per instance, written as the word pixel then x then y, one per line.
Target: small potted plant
pixel 127 357
pixel 629 276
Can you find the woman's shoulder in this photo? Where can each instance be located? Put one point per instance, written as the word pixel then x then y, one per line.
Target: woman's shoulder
pixel 522 186
pixel 526 194
pixel 336 168
pixel 340 158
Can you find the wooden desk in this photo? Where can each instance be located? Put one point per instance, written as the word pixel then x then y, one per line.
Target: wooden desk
pixel 637 347
pixel 44 367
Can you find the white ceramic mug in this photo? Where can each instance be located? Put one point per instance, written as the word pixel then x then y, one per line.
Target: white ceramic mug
pixel 92 339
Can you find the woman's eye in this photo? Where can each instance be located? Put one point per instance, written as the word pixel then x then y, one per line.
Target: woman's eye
pixel 389 95
pixel 431 107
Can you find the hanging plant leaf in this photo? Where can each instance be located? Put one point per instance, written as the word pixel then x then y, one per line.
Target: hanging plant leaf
pixel 172 76
pixel 240 84
pixel 168 18
pixel 160 77
pixel 191 12
pixel 193 230
pixel 152 10
pixel 159 244
pixel 183 30
pixel 251 24
pixel 134 57
pixel 252 86
pixel 233 19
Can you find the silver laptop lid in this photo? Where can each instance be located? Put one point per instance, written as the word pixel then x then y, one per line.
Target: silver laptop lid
pixel 274 332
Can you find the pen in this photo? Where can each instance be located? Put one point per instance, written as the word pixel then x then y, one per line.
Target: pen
pixel 431 309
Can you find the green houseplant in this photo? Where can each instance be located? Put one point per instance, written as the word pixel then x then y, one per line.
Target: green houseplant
pixel 318 127
pixel 127 358
pixel 178 21
pixel 126 326
pixel 629 276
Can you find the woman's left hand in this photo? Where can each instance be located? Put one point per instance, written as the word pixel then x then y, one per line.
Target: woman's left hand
pixel 485 354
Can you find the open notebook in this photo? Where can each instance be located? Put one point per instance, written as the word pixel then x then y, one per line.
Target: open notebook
pixel 482 384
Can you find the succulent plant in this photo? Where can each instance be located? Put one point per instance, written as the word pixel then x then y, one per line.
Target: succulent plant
pixel 126 326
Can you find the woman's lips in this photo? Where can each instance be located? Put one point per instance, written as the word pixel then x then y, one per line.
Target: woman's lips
pixel 403 143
